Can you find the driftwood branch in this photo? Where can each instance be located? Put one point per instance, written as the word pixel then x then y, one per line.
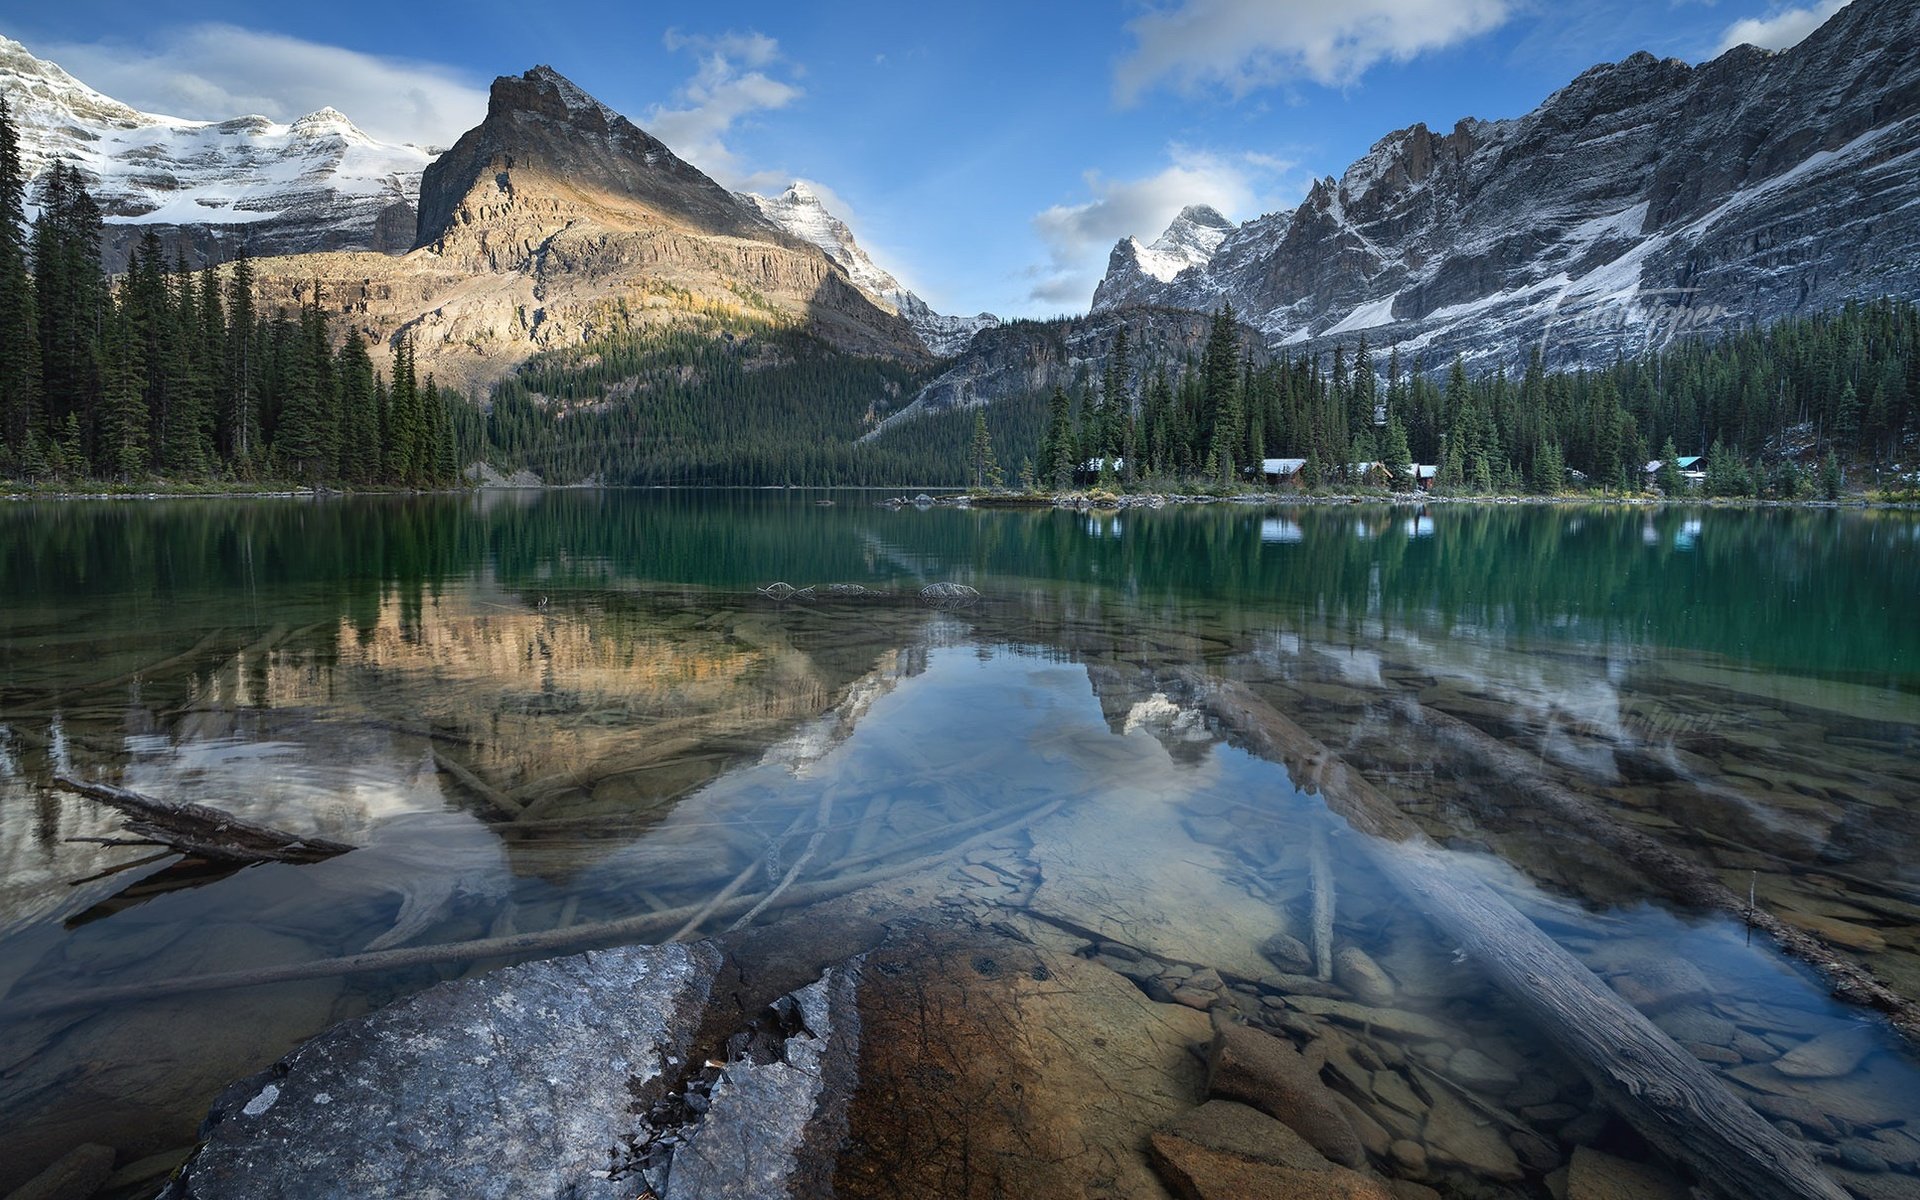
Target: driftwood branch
pixel 1684 878
pixel 1663 1091
pixel 204 832
pixel 626 930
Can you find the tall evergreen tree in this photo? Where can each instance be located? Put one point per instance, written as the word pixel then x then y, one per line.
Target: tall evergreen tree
pixel 359 416
pixel 70 296
pixel 19 324
pixel 123 412
pixel 1058 453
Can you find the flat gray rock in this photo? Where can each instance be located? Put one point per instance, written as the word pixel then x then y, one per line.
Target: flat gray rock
pixel 532 1081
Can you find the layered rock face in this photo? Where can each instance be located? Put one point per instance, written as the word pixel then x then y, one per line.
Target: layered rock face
pixel 208 188
pixel 1648 199
pixel 557 219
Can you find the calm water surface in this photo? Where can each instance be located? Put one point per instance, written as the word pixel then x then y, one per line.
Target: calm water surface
pixel 1744 686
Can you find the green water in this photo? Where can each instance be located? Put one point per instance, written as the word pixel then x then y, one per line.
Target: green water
pixel 1742 685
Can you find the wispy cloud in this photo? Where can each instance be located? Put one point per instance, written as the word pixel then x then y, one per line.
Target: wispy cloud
pixel 1244 45
pixel 210 72
pixel 1781 27
pixel 1079 236
pixel 730 84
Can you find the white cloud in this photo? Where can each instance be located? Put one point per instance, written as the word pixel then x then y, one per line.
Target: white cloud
pixel 212 72
pixel 1780 28
pixel 1078 237
pixel 1243 45
pixel 728 87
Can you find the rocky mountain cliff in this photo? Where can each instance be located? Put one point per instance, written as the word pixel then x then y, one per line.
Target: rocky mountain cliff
pixel 799 211
pixel 556 220
pixel 1024 358
pixel 1646 199
pixel 318 183
pixel 1135 272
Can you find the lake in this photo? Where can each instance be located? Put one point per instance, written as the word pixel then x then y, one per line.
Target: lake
pixel 544 711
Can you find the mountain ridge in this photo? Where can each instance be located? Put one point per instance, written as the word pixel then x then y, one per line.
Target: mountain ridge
pixel 207 187
pixel 1645 199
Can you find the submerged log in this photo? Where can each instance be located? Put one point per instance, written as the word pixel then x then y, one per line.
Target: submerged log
pixel 1320 875
pixel 623 931
pixel 1684 878
pixel 1663 1091
pixel 205 832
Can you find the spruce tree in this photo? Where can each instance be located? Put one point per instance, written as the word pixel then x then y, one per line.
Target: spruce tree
pixel 1396 458
pixel 70 296
pixel 359 417
pixel 1058 454
pixel 123 409
pixel 19 324
pixel 1670 480
pixel 241 411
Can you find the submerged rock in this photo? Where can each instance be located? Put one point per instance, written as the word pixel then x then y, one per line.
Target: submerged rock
pixel 75 1176
pixel 1594 1175
pixel 1355 970
pixel 1828 1056
pixel 1198 1173
pixel 1262 1070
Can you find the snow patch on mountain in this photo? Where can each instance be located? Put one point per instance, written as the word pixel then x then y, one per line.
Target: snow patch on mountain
pixel 315 183
pixel 1648 199
pixel 1189 241
pixel 799 211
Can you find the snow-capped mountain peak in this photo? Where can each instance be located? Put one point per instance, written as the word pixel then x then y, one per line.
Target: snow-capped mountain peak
pixel 800 211
pixel 1189 241
pixel 316 183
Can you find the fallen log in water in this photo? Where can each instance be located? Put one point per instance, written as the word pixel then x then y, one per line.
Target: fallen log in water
pixel 205 832
pixel 626 930
pixel 1684 878
pixel 1663 1091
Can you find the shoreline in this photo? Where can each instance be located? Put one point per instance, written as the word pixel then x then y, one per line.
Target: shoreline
pixel 1107 502
pixel 949 498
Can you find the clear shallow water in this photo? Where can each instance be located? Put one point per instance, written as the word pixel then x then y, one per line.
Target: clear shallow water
pixel 1741 685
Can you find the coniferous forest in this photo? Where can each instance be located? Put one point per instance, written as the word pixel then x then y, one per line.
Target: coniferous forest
pixel 166 373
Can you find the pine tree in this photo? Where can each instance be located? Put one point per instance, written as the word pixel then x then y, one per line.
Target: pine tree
pixel 404 433
pixel 1830 480
pixel 241 412
pixel 70 296
pixel 19 323
pixel 359 418
pixel 1224 416
pixel 1396 458
pixel 980 452
pixel 1670 480
pixel 123 411
pixel 1058 454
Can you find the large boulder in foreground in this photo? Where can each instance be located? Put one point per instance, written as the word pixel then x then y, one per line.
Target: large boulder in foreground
pixel 529 1082
pixel 918 1061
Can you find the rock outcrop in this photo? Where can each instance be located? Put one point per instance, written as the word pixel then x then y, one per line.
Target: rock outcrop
pixel 1647 199
pixel 557 220
pixel 1025 358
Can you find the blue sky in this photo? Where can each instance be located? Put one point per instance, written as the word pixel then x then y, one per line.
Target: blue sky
pixel 988 153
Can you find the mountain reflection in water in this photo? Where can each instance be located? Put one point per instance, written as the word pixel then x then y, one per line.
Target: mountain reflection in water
pixel 540 712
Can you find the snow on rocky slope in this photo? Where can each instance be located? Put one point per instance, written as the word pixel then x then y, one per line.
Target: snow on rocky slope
pixel 800 211
pixel 1646 200
pixel 318 183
